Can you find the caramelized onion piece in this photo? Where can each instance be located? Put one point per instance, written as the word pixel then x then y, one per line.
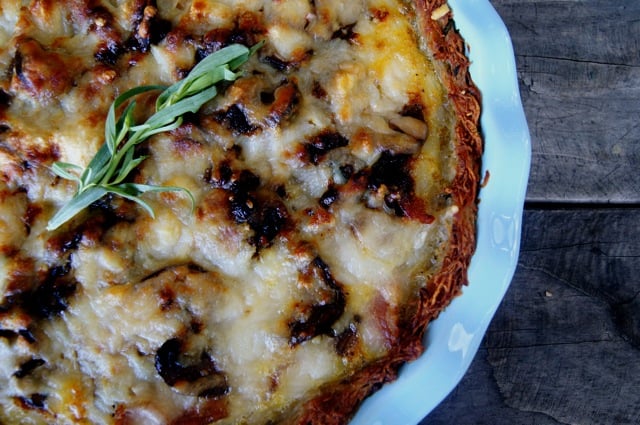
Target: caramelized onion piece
pixel 285 103
pixel 319 145
pixel 27 367
pixel 200 376
pixel 236 120
pixel 318 318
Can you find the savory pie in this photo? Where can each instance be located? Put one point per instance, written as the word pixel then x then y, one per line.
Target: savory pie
pixel 334 188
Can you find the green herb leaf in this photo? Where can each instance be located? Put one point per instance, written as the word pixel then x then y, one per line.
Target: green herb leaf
pixel 77 204
pixel 115 160
pixel 63 169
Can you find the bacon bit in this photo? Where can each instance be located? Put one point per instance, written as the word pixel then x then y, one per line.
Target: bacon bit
pixel 379 14
pixel 319 216
pixel 206 412
pixel 185 146
pixel 42 154
pixel 440 12
pixel 384 317
pixel 285 103
pixel 415 209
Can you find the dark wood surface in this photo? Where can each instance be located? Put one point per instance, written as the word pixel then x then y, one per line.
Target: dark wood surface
pixel 564 346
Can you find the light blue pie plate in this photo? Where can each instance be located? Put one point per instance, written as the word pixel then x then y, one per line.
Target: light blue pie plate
pixel 453 339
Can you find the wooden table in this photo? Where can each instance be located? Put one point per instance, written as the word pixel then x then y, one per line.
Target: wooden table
pixel 564 347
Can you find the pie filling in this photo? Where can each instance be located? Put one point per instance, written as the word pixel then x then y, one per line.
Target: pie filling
pixel 326 182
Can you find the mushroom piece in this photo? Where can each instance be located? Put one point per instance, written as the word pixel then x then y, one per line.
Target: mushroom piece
pixel 318 316
pixel 192 375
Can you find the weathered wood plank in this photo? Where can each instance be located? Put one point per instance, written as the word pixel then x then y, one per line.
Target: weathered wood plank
pixel 477 400
pixel 579 70
pixel 564 347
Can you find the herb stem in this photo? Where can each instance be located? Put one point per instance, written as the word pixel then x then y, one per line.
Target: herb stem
pixel 114 161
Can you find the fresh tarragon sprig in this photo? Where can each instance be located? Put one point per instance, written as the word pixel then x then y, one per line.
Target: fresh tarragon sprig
pixel 114 161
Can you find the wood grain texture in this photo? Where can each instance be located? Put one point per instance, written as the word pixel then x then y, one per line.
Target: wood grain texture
pixel 564 347
pixel 579 71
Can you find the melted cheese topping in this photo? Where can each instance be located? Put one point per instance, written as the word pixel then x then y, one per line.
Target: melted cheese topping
pixel 321 181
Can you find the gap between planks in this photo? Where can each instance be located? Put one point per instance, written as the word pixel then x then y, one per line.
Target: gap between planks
pixel 579 205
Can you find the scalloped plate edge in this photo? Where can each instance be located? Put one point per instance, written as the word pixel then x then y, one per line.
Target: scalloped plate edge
pixel 453 339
